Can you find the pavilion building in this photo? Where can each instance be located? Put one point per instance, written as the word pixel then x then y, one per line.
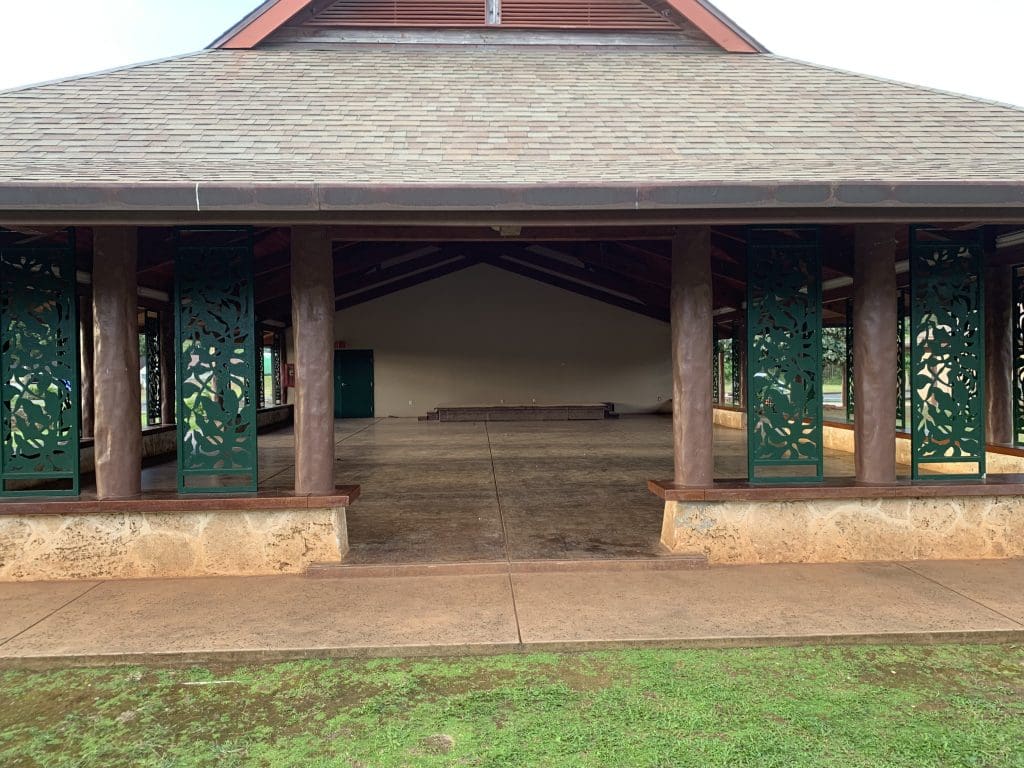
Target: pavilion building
pixel 242 224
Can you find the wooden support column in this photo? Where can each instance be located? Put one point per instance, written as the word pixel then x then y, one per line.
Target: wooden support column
pixel 875 341
pixel 692 357
pixel 168 363
pixel 86 390
pixel 117 397
pixel 313 335
pixel 999 354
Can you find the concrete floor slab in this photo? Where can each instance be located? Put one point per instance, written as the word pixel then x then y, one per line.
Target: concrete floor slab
pixel 476 492
pixel 996 584
pixel 405 531
pixel 743 602
pixel 22 605
pixel 275 614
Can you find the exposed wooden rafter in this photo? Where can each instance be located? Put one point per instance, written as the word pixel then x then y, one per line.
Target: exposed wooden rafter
pixel 590 290
pixel 379 290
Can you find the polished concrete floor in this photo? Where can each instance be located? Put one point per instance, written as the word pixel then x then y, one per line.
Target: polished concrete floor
pixel 470 492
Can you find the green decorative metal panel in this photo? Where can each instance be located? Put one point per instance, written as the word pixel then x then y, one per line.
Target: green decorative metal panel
pixel 784 403
pixel 848 367
pixel 1018 356
pixel 947 356
pixel 737 345
pixel 261 395
pixel 901 361
pixel 39 369
pixel 276 365
pixel 716 370
pixel 154 370
pixel 215 339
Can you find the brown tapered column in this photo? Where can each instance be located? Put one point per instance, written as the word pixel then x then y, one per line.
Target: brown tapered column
pixel 875 338
pixel 999 355
pixel 692 357
pixel 85 320
pixel 168 361
pixel 117 397
pixel 313 333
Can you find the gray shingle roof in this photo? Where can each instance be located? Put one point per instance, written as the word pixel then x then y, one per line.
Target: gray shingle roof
pixel 499 115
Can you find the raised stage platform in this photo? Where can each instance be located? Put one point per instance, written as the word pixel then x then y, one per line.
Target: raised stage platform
pixel 523 412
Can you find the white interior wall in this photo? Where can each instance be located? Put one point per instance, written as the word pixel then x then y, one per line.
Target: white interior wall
pixel 484 335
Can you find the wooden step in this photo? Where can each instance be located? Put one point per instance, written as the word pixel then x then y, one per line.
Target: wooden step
pixel 523 412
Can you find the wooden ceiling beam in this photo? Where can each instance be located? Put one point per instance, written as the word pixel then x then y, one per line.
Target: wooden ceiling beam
pixel 457 264
pixel 657 313
pixel 357 258
pixel 647 269
pixel 346 283
pixel 609 281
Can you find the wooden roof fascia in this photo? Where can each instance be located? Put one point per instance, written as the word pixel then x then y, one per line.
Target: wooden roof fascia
pixel 261 23
pixel 722 30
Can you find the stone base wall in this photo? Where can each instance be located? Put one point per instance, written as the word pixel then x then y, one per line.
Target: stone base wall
pixel 837 530
pixel 169 544
pixel 728 417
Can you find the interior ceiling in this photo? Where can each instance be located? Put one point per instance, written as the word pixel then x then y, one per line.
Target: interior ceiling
pixel 629 268
pixel 633 272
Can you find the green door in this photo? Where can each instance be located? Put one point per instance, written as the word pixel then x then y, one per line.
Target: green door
pixel 353 383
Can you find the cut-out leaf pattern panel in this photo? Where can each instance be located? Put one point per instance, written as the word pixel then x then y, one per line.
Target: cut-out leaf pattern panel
pixel 216 365
pixel 1018 356
pixel 39 364
pixel 276 365
pixel 947 356
pixel 784 353
pixel 901 361
pixel 154 368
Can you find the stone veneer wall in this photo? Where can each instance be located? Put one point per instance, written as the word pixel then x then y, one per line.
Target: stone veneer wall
pixel 169 544
pixel 837 530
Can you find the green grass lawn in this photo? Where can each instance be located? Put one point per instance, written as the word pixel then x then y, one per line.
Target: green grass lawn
pixel 869 706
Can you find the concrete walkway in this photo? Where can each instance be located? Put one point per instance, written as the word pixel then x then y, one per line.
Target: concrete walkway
pixel 271 618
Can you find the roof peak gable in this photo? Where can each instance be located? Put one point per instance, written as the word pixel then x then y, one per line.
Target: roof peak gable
pixel 590 15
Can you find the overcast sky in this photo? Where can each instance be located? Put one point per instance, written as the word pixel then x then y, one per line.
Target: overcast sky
pixel 972 47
